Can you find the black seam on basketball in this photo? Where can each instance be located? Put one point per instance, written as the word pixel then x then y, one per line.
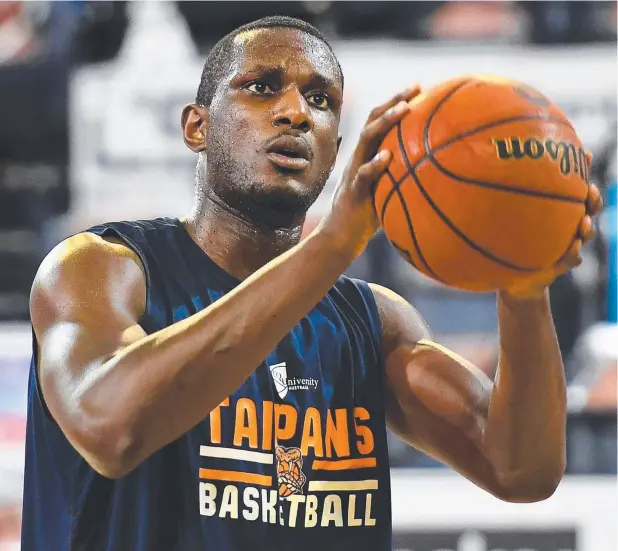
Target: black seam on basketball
pixel 429 152
pixel 435 110
pixel 505 188
pixel 494 185
pixel 575 237
pixel 478 129
pixel 389 195
pixel 405 253
pixel 400 181
pixel 452 92
pixel 447 221
pixel 394 189
pixel 500 122
pixel 426 129
pixel 417 247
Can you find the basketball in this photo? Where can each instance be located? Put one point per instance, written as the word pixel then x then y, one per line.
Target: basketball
pixel 488 183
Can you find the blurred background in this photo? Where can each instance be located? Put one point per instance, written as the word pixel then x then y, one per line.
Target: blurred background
pixel 90 100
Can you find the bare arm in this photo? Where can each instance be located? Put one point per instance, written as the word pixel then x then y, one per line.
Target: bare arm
pixel 508 438
pixel 119 394
pixel 527 413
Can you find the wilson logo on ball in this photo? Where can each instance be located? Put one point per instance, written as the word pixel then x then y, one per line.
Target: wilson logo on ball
pixel 570 158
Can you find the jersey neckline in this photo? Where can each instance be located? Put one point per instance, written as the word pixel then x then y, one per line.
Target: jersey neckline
pixel 222 275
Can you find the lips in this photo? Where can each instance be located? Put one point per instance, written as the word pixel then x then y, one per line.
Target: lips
pixel 290 153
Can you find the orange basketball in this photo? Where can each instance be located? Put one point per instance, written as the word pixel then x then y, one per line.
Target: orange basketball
pixel 488 183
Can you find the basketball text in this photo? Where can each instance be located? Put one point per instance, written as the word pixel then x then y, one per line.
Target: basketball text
pixel 337 434
pixel 289 464
pixel 571 159
pixel 307 511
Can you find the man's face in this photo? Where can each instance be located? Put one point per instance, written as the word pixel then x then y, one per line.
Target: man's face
pixel 272 133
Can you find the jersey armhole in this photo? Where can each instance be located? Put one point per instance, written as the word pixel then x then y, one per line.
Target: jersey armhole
pixel 106 232
pixel 113 232
pixel 375 322
pixel 37 379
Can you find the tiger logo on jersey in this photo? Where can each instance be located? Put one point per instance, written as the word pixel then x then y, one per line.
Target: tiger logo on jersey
pixel 290 476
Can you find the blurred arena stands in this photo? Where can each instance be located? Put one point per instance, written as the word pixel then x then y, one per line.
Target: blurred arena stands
pixel 90 100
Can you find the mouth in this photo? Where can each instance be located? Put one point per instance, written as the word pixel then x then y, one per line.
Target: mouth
pixel 289 153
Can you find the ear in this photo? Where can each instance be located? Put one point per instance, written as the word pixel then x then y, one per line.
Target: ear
pixel 339 138
pixel 194 124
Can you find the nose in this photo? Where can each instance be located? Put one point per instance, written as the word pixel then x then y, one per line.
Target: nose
pixel 293 110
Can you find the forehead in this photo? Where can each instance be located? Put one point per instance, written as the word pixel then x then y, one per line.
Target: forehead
pixel 288 49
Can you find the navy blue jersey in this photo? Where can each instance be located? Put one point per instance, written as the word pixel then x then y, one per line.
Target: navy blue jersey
pixel 296 459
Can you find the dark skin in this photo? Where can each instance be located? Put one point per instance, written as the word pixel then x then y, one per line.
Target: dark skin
pixel 264 210
pixel 89 294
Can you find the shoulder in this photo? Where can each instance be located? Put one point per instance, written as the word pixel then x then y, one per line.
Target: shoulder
pixel 401 322
pixel 86 269
pixel 85 254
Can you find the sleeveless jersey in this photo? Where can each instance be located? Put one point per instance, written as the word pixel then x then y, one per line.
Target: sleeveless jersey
pixel 296 459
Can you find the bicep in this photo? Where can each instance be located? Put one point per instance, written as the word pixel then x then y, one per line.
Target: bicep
pixel 439 400
pixel 436 400
pixel 71 356
pixel 439 404
pixel 85 303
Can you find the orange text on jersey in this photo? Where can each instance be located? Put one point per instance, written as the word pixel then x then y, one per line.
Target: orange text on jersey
pixel 329 435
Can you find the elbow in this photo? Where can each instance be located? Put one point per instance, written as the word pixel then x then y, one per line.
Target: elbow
pixel 107 440
pixel 530 494
pixel 115 461
pixel 530 489
pixel 114 468
pixel 112 471
pixel 111 453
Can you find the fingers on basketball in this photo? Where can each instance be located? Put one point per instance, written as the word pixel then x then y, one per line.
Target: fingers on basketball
pixel 480 192
pixel 374 132
pixel 407 95
pixel 369 173
pixel 586 230
pixel 594 201
pixel 571 258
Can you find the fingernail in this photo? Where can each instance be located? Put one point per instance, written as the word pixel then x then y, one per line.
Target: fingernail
pixel 399 108
pixel 383 155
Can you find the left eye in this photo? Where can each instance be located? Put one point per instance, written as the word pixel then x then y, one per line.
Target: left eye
pixel 319 100
pixel 260 88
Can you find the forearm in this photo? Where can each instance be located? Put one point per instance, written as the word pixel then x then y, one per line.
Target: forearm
pixel 525 431
pixel 164 384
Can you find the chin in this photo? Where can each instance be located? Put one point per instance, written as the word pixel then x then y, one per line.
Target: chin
pixel 282 206
pixel 273 197
pixel 301 186
pixel 279 204
pixel 307 182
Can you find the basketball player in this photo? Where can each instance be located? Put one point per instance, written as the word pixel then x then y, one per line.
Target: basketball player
pixel 214 384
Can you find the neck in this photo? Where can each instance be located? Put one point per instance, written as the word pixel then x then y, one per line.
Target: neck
pixel 238 245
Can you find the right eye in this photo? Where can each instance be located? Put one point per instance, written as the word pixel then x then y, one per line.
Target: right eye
pixel 258 87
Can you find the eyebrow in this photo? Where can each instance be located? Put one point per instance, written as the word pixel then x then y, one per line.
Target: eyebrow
pixel 323 81
pixel 316 79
